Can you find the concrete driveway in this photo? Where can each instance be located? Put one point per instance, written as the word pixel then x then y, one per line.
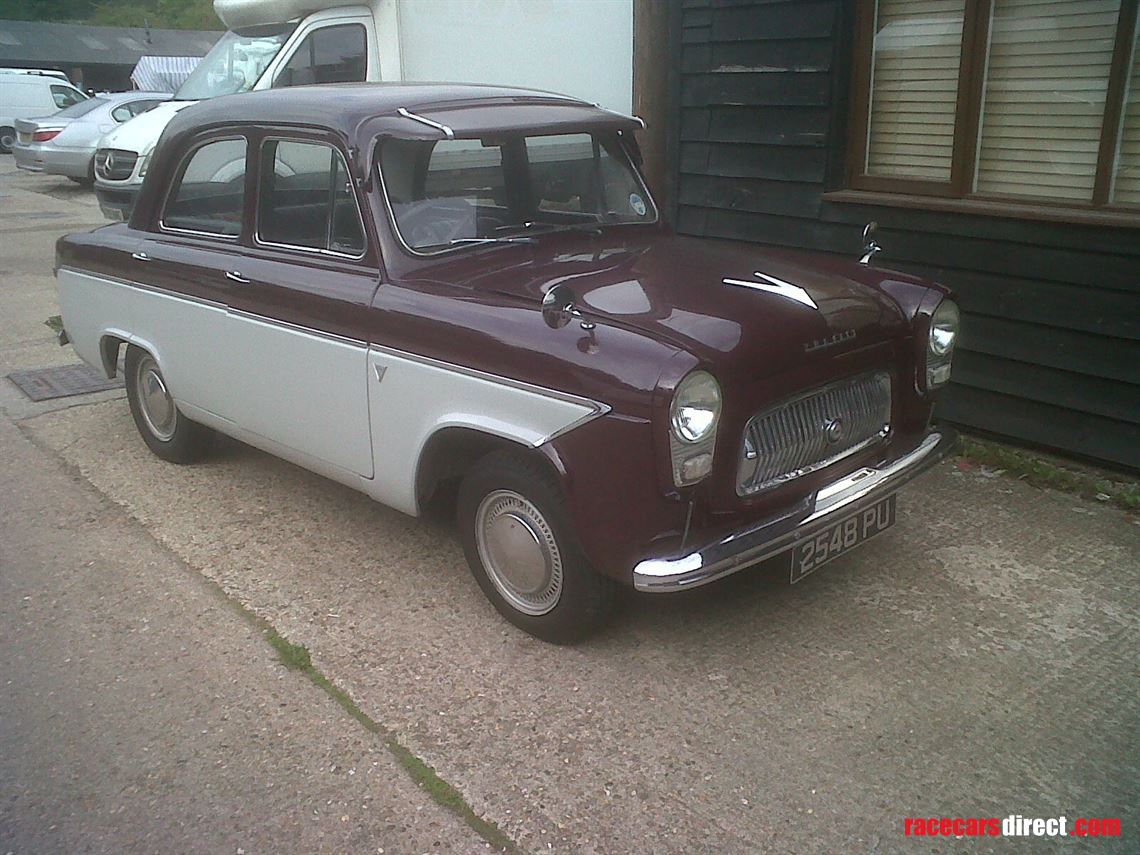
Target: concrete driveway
pixel 978 660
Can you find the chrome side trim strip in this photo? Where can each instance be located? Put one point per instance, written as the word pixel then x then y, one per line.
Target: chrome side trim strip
pixel 744 548
pixel 598 408
pixel 154 289
pixel 415 117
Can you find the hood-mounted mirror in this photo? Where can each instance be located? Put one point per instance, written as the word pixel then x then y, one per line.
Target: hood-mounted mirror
pixel 869 245
pixel 558 307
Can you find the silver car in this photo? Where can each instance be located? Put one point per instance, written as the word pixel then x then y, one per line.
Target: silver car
pixel 64 143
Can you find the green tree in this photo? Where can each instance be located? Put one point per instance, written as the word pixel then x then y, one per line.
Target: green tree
pixel 166 14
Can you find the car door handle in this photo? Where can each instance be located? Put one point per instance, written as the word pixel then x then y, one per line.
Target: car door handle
pixel 236 277
pixel 140 256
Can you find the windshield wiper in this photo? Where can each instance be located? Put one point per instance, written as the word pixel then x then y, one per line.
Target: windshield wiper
pixel 459 241
pixel 593 228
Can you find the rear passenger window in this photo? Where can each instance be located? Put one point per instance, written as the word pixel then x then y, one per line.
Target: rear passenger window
pixel 327 55
pixel 307 199
pixel 130 110
pixel 210 195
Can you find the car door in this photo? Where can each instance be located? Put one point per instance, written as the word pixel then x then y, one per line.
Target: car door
pixel 300 299
pixel 186 259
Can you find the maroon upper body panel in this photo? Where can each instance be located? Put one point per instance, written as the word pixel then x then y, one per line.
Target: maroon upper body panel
pixel 767 323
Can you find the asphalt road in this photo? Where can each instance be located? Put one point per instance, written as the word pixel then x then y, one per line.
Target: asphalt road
pixel 980 659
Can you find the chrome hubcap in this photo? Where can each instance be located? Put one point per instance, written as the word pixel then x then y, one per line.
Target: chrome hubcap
pixel 158 410
pixel 519 552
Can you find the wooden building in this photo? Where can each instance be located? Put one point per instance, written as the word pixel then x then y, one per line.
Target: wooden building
pixel 996 143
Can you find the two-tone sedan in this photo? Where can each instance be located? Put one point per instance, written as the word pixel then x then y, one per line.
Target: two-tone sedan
pixel 64 143
pixel 414 289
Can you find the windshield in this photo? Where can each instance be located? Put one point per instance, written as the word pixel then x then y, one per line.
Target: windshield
pixel 462 192
pixel 80 108
pixel 234 63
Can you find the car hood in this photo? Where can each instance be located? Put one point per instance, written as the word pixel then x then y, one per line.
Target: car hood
pixel 142 132
pixel 752 310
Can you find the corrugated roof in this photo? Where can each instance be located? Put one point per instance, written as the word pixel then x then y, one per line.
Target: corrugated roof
pixel 77 44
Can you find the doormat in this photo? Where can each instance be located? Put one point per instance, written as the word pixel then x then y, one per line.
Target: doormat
pixel 43 384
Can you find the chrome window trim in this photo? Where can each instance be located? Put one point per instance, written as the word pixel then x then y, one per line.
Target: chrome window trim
pixel 472 246
pixel 180 172
pixel 311 250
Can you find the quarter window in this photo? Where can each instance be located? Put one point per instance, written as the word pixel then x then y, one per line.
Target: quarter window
pixel 328 55
pixel 210 194
pixel 1018 100
pixel 307 198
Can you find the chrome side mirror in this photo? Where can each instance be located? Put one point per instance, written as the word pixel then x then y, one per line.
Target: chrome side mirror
pixel 558 306
pixel 869 245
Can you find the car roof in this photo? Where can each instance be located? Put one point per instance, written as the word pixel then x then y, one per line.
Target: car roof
pixel 362 111
pixel 131 95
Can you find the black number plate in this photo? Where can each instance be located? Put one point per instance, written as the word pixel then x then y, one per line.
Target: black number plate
pixel 841 537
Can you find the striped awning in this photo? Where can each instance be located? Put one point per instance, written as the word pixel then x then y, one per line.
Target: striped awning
pixel 163 73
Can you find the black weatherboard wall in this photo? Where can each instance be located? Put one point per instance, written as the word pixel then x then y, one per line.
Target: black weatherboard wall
pixel 1050 351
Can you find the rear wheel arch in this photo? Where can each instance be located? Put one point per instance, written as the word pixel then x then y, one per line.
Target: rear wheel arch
pixel 110 346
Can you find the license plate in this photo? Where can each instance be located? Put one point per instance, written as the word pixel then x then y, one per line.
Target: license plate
pixel 841 537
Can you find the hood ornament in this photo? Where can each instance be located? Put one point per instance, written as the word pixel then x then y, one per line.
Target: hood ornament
pixel 775 286
pixel 869 245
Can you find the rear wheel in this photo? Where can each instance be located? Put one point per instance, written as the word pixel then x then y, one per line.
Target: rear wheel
pixel 165 430
pixel 522 550
pixel 7 140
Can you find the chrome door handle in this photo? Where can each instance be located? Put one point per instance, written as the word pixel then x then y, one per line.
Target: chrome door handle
pixel 140 256
pixel 236 277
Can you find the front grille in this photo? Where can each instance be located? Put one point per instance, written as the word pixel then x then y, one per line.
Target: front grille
pixel 114 164
pixel 813 430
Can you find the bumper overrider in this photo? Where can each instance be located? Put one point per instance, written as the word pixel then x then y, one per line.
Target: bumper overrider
pixel 833 502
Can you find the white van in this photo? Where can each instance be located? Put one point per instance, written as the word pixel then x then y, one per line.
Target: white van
pixel 26 96
pixel 582 48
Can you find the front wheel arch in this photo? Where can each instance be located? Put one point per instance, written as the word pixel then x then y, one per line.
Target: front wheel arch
pixel 450 452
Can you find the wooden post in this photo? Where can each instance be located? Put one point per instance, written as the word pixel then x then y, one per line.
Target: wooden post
pixel 650 76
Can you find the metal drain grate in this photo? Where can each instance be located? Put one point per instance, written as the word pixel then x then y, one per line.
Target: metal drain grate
pixel 44 384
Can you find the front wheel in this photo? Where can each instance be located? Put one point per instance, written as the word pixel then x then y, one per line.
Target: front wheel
pixel 522 551
pixel 164 429
pixel 7 139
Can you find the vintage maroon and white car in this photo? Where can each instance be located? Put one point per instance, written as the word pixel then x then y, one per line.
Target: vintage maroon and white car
pixel 411 289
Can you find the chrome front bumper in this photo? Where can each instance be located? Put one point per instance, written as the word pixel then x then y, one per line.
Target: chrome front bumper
pixel 837 500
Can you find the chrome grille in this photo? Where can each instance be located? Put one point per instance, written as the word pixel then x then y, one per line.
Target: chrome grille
pixel 113 164
pixel 813 430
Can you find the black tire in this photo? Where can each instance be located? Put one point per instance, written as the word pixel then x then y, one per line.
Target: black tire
pixel 175 439
pixel 585 599
pixel 7 139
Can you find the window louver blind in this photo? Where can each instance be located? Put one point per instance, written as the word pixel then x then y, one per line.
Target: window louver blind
pixel 1126 183
pixel 914 88
pixel 1043 103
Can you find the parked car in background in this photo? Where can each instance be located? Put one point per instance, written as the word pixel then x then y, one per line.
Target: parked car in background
pixel 24 96
pixel 64 143
pixel 280 43
pixel 414 288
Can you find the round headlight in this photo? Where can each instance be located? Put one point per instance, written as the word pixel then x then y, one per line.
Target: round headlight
pixel 944 328
pixel 696 407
